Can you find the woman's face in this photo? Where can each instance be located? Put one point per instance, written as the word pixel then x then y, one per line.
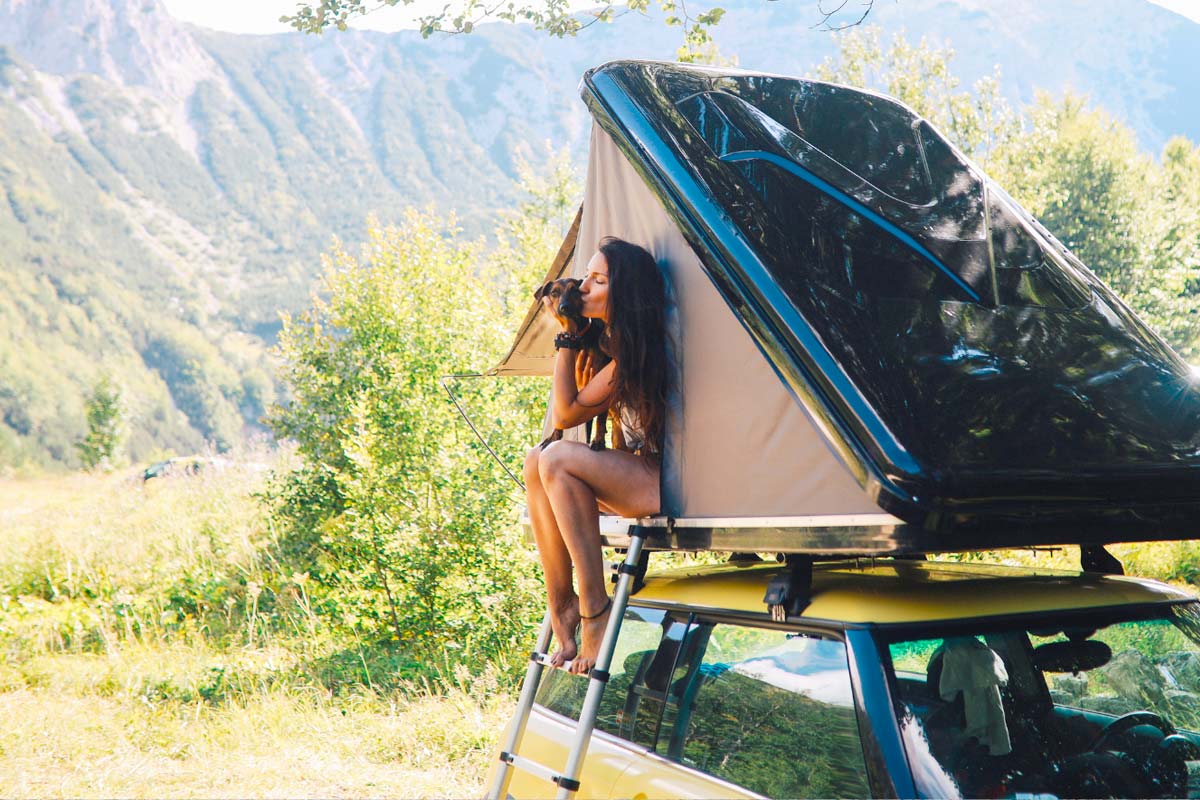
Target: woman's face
pixel 595 288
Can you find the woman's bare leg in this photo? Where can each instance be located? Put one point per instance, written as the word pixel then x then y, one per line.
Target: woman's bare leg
pixel 574 479
pixel 556 563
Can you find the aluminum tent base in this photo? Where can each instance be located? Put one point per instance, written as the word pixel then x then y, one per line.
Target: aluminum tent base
pixel 854 535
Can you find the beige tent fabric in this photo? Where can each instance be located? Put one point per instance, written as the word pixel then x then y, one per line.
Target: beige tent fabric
pixel 738 444
pixel 532 352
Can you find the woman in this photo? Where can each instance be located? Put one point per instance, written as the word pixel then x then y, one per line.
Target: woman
pixel 568 483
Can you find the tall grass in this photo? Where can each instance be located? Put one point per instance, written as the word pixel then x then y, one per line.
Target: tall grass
pixel 152 645
pixel 276 744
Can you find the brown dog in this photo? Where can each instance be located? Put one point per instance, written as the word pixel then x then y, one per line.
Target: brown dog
pixel 566 304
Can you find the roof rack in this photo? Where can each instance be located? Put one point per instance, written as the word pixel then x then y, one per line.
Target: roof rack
pixel 836 535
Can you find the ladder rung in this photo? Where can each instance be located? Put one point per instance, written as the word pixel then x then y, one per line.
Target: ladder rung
pixel 538 770
pixel 544 660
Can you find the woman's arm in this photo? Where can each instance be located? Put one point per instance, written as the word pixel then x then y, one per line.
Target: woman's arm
pixel 571 406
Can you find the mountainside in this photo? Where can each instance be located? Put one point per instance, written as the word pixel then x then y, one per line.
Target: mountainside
pixel 165 189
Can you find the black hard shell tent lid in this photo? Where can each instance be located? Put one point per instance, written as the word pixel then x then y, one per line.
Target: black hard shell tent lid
pixel 877 349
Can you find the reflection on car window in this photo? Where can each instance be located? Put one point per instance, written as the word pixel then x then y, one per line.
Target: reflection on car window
pixel 1153 666
pixel 772 711
pixel 1080 706
pixel 624 712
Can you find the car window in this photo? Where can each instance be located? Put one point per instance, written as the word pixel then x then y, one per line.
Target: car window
pixel 773 711
pixel 641 672
pixel 1153 666
pixel 1097 703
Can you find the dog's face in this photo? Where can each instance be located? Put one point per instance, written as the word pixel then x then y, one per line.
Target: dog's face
pixel 564 300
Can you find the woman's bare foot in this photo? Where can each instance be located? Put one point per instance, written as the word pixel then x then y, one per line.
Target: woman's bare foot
pixel 564 621
pixel 591 635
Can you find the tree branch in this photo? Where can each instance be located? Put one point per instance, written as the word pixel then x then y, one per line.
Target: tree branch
pixel 552 16
pixel 829 15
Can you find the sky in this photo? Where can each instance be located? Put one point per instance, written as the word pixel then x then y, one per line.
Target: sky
pixel 262 16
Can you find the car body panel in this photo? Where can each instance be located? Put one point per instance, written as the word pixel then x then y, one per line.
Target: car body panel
pixel 883 749
pixel 547 741
pixel 856 602
pixel 652 777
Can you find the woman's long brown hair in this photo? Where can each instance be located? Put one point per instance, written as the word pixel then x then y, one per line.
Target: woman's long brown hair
pixel 637 300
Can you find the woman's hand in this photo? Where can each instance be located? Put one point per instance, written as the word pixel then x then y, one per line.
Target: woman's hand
pixel 585 369
pixel 572 404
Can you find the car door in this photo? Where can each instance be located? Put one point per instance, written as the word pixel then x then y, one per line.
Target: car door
pixel 752 710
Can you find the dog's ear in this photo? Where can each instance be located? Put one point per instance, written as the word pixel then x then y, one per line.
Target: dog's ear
pixel 543 290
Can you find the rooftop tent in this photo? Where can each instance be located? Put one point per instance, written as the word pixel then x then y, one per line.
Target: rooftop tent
pixel 866 324
pixel 726 456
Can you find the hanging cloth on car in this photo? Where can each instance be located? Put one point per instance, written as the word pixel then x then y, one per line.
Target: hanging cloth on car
pixel 971 667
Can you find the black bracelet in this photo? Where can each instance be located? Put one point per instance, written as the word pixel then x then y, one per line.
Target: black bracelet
pixel 566 340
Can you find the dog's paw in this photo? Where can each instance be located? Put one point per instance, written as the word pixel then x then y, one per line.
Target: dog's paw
pixel 597 446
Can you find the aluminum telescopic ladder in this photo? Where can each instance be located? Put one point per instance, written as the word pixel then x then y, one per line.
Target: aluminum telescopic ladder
pixel 567 779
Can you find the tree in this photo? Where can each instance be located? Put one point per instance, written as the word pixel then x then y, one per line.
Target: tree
pixel 105 412
pixel 555 17
pixel 402 500
pixel 1132 220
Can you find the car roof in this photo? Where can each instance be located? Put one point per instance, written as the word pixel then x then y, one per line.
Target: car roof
pixel 865 591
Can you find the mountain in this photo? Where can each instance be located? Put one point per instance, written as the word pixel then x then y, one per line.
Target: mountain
pixel 166 189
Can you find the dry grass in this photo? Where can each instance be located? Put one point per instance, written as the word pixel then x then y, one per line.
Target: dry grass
pixel 85 745
pixel 164 709
pixel 115 530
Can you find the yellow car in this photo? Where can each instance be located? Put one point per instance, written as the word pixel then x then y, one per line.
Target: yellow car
pixel 898 679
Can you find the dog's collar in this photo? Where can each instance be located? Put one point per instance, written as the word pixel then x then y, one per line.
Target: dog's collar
pixel 587 327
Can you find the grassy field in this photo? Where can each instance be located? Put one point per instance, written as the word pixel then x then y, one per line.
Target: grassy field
pixel 150 646
pixel 134 660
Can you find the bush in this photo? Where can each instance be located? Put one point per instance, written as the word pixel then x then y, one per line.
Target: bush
pixel 399 515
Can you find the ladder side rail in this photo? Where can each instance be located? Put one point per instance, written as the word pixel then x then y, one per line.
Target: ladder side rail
pixel 569 783
pixel 516 731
